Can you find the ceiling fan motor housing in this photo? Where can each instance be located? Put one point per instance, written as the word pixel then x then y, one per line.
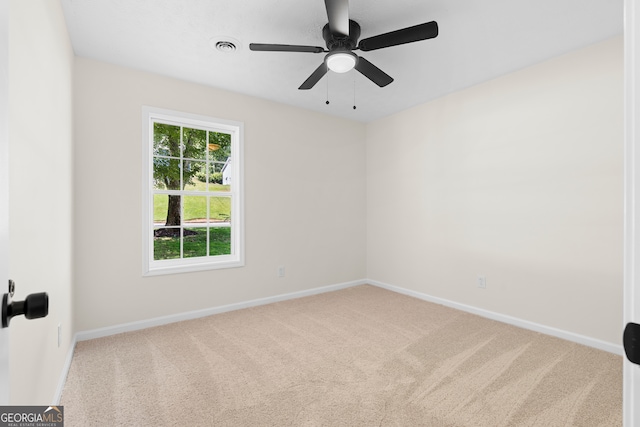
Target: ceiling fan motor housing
pixel 340 42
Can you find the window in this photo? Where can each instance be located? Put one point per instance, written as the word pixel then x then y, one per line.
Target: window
pixel 192 192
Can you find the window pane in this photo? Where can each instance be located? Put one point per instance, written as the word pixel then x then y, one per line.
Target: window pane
pixel 220 167
pixel 160 205
pixel 195 210
pixel 195 242
pixel 166 173
pixel 166 140
pixel 219 209
pixel 220 176
pixel 195 143
pixel 219 146
pixel 166 243
pixel 194 175
pixel 216 177
pixel 220 241
pixel 167 210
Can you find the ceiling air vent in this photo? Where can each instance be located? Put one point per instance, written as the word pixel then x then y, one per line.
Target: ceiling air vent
pixel 225 44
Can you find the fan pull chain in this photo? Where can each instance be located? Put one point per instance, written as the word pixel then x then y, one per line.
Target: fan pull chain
pixel 354 91
pixel 327 90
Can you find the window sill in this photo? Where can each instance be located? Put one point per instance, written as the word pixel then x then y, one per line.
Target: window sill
pixel 164 268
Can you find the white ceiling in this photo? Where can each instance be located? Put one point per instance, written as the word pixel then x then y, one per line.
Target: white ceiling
pixel 478 40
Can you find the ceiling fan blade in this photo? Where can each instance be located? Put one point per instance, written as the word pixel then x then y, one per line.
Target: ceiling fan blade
pixel 428 30
pixel 261 47
pixel 314 77
pixel 373 73
pixel 338 14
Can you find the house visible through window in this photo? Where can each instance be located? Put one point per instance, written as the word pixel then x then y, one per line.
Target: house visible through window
pixel 193 192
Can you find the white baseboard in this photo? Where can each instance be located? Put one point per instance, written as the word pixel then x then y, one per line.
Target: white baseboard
pixel 65 372
pixel 158 321
pixel 548 330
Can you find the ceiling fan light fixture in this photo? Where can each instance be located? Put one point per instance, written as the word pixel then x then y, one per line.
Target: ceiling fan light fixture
pixel 341 62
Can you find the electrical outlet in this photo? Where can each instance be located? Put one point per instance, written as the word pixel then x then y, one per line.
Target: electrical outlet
pixel 482 282
pixel 281 271
pixel 59 334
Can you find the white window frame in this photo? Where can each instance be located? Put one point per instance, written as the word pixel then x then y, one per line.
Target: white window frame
pixel 153 267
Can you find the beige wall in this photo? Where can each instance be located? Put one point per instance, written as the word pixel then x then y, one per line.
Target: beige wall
pixel 40 193
pixel 518 179
pixel 305 199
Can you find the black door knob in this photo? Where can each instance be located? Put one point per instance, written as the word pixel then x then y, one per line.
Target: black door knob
pixel 34 306
pixel 631 342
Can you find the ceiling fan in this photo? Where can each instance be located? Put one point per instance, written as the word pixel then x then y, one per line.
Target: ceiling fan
pixel 341 35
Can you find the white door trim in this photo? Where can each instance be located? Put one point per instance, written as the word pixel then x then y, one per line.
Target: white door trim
pixel 631 388
pixel 4 192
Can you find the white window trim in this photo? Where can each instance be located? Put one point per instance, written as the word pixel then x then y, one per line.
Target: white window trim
pixel 151 267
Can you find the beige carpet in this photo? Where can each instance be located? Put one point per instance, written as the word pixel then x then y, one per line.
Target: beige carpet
pixel 362 356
